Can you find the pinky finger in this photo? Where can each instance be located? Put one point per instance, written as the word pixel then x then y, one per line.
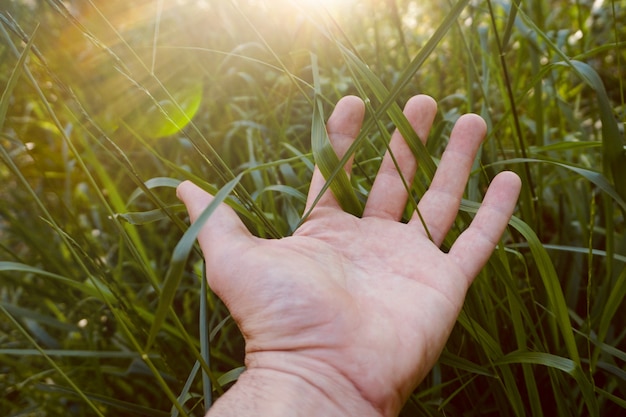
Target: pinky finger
pixel 475 245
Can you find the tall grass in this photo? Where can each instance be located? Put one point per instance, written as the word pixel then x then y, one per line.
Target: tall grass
pixel 106 106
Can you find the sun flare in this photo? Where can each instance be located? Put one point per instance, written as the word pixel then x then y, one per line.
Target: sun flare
pixel 332 6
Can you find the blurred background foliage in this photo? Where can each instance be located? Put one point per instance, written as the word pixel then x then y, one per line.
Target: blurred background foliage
pixel 106 105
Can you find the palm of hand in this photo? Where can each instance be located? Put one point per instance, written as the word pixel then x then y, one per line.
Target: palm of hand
pixel 370 299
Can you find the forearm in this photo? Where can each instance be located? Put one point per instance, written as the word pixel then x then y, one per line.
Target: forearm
pixel 267 392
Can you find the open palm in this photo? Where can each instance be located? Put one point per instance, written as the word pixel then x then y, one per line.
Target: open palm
pixel 364 302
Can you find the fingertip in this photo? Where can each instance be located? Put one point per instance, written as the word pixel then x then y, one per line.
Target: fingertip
pixel 188 189
pixel 351 100
pixel 194 198
pixel 347 117
pixel 507 186
pixel 473 123
pixel 473 248
pixel 424 101
pixel 420 110
pixel 511 179
pixel 183 188
pixel 223 222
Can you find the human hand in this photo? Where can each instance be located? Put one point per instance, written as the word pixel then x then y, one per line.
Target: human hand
pixel 352 313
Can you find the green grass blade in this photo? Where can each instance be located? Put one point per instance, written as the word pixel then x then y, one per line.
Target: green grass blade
pixel 205 340
pixel 325 156
pixel 231 375
pixel 616 298
pixel 92 288
pixel 184 393
pixel 510 24
pixel 66 353
pixel 493 349
pixel 179 259
pixel 120 406
pixel 450 359
pixel 563 364
pixel 518 314
pixel 552 285
pixel 153 183
pixel 617 400
pixel 40 318
pixel 5 99
pixel 144 217
pixel 574 249
pixel 592 176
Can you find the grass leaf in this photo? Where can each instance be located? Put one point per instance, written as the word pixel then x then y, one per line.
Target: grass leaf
pixel 93 288
pixel 551 282
pixel 5 99
pixel 179 258
pixel 325 156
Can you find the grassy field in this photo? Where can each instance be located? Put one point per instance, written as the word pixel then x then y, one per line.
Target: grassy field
pixel 107 105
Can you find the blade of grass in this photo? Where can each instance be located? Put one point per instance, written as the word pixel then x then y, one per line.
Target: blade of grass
pixel 231 375
pixel 119 315
pixel 184 393
pixel 26 313
pixel 617 400
pixel 153 183
pixel 574 249
pixel 551 283
pixel 92 288
pixel 592 176
pixel 510 24
pixel 5 99
pixel 493 350
pixel 179 258
pixel 450 359
pixel 100 354
pixel 205 340
pixel 527 196
pixel 560 363
pixel 144 217
pixel 325 156
pixel 77 256
pixel 616 298
pixel 517 310
pixel 134 409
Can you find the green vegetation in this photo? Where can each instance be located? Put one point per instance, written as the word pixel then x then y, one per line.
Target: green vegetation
pixel 106 105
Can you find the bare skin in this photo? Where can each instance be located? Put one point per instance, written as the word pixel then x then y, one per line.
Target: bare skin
pixel 349 314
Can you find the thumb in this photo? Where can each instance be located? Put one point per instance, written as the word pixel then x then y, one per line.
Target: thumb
pixel 223 233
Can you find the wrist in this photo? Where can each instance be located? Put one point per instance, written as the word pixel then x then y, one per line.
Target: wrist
pixel 291 386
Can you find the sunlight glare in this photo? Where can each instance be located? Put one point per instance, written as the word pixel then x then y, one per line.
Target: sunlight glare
pixel 332 6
